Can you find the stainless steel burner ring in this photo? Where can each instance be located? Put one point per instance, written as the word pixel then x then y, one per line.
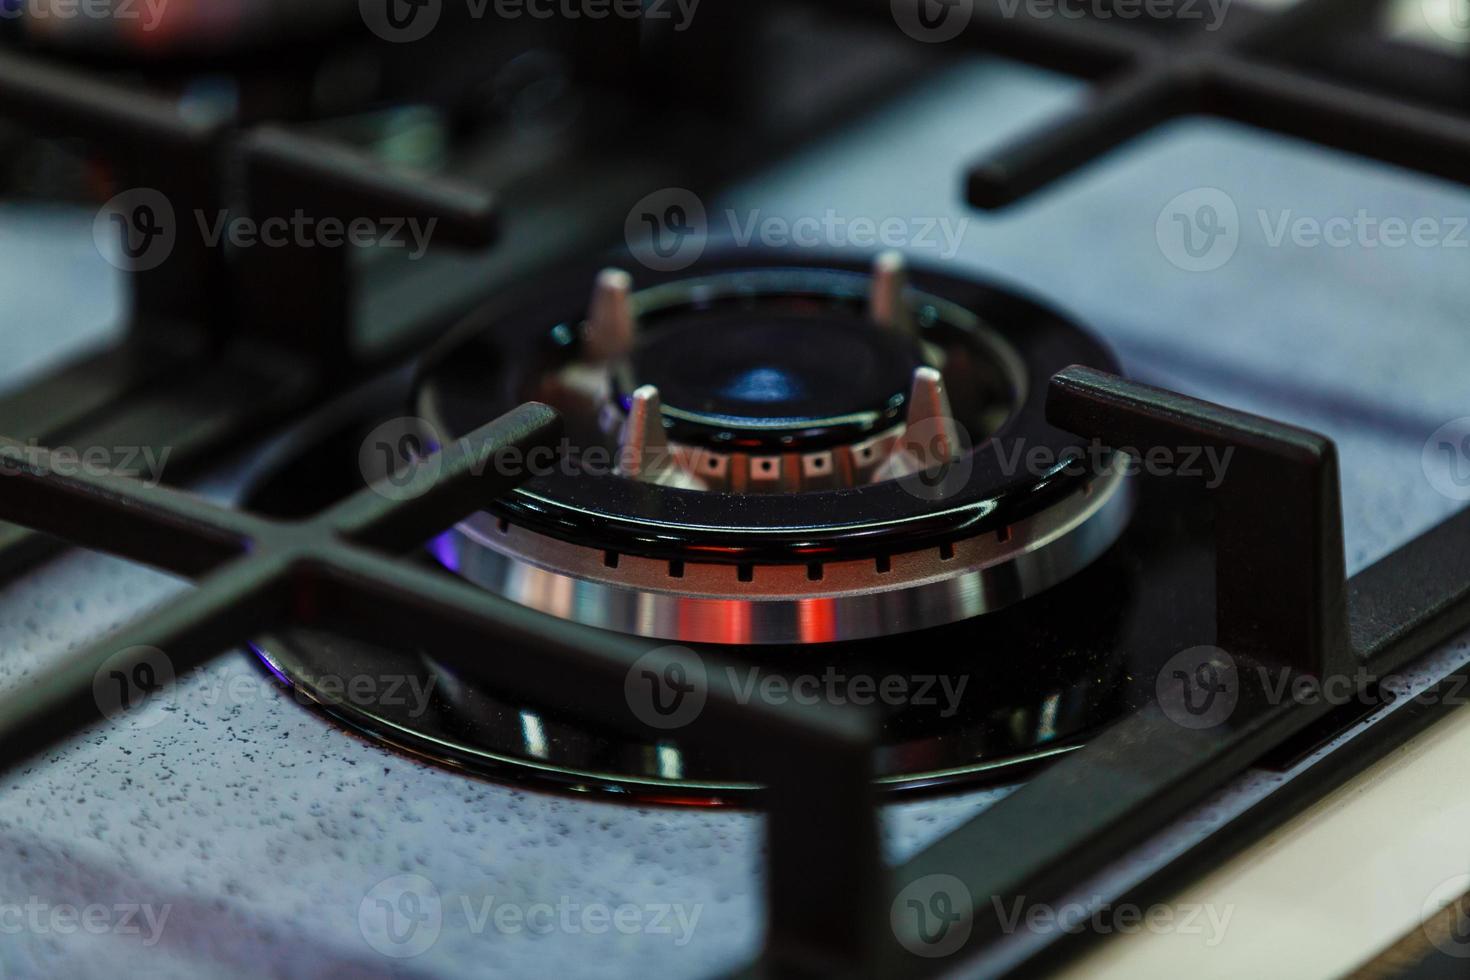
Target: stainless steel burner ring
pixel 781 603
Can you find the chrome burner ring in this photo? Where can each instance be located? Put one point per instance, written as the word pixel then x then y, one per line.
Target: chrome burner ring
pixel 783 603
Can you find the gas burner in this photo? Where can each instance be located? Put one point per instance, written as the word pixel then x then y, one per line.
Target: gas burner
pixel 724 483
pixel 920 539
pixel 1034 681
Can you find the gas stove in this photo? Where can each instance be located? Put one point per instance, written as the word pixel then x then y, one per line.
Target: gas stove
pixel 722 488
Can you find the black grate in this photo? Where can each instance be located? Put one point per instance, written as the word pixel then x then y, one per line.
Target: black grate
pixel 206 359
pixel 331 572
pixel 1317 70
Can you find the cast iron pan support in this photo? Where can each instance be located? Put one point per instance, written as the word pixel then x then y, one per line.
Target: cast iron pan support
pixel 825 879
pixel 188 375
pixel 301 295
pixel 1280 579
pixel 1247 68
pixel 1280 589
pixel 148 142
pixel 1229 72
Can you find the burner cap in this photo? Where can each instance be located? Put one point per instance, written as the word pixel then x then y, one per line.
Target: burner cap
pixel 773 381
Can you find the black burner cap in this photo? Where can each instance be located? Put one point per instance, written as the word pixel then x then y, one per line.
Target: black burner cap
pixel 773 379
